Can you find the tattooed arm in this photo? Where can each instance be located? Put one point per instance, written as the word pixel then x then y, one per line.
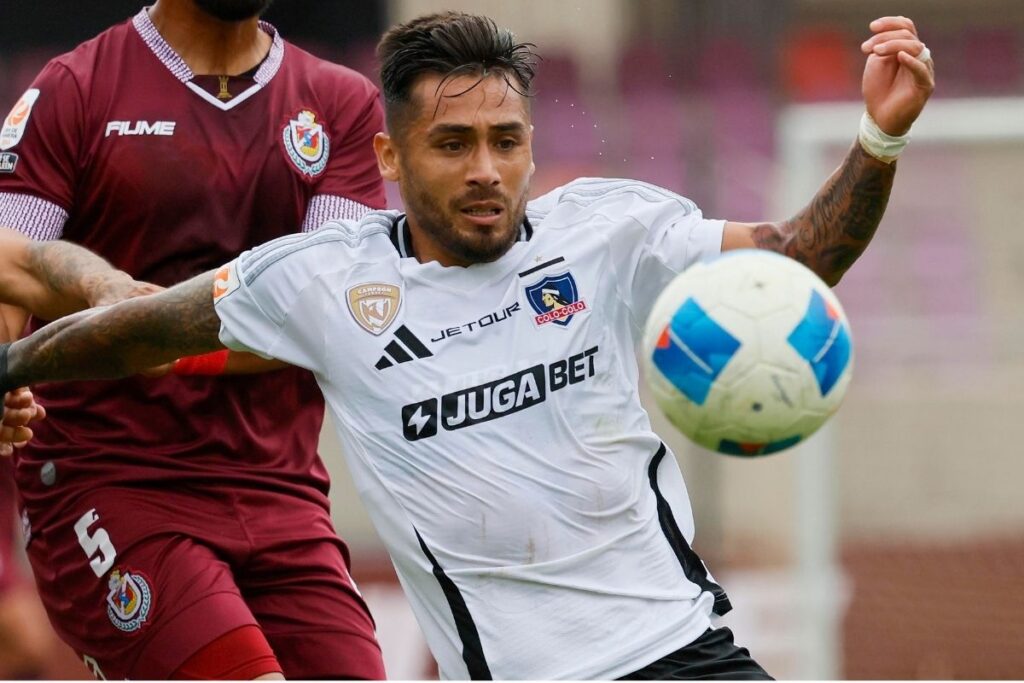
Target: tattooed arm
pixel 119 340
pixel 52 279
pixel 835 228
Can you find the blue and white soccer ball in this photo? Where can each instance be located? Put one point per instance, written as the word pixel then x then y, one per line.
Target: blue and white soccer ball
pixel 748 354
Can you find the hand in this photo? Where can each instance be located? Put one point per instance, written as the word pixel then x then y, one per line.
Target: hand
pixel 19 409
pixel 896 83
pixel 116 289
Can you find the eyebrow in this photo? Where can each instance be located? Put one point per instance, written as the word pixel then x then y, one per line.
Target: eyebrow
pixel 461 129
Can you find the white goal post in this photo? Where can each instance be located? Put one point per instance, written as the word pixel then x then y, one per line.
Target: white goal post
pixel 806 135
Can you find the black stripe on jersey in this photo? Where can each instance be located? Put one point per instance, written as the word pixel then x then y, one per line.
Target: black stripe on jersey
pixel 396 351
pixel 526 231
pixel 399 353
pixel 412 341
pixel 472 648
pixel 542 266
pixel 394 233
pixel 692 565
pixel 400 236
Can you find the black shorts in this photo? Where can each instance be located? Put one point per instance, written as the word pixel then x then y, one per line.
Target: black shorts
pixel 712 656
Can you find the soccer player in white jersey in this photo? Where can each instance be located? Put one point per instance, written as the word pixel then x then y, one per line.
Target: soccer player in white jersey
pixel 477 355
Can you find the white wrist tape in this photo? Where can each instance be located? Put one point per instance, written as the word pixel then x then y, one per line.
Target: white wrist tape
pixel 878 143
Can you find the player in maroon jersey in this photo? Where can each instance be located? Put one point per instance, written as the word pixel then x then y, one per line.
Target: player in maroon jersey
pixel 180 526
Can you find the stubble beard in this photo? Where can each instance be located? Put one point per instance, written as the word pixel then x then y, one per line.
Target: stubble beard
pixel 475 248
pixel 233 10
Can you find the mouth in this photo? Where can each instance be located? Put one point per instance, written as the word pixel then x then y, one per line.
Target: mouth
pixel 483 213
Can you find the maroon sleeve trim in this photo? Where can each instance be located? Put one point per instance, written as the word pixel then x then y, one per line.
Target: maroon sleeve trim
pixel 325 207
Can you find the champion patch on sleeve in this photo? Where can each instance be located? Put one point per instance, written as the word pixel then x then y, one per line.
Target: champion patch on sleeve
pixel 15 123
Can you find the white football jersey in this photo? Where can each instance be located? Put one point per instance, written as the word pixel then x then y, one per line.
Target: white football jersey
pixel 492 423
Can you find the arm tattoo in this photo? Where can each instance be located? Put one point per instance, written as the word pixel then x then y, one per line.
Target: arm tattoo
pixel 120 340
pixel 72 271
pixel 835 228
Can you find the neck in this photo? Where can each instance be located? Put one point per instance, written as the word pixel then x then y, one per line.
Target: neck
pixel 207 45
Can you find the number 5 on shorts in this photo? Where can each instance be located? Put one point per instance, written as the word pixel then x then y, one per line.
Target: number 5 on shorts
pixel 99 541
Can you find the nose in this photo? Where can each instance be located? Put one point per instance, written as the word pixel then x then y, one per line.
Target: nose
pixel 483 170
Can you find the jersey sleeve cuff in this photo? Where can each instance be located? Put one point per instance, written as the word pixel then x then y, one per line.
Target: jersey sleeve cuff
pixel 325 207
pixel 705 241
pixel 35 218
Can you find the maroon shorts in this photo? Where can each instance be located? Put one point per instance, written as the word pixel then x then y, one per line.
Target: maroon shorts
pixel 138 581
pixel 11 566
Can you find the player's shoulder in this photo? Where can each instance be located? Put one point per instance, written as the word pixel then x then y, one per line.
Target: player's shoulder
pixel 330 76
pixel 86 60
pixel 613 197
pixel 336 245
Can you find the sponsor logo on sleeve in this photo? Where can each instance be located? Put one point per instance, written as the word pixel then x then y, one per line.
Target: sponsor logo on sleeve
pixel 224 282
pixel 307 144
pixel 15 123
pixel 129 600
pixel 374 305
pixel 555 299
pixel 8 162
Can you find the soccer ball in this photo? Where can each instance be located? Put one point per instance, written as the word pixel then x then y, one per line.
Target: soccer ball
pixel 748 354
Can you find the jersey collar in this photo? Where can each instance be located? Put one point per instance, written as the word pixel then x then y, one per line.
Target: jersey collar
pixel 401 237
pixel 177 66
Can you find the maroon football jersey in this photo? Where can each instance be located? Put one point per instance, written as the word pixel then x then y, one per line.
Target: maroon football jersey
pixel 117 146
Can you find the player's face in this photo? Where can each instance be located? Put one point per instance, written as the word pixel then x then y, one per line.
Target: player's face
pixel 463 164
pixel 233 10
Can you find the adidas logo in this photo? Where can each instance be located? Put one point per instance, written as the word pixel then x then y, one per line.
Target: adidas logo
pixel 402 349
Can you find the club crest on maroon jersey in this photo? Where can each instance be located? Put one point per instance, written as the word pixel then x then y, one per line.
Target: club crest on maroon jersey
pixel 306 143
pixel 129 600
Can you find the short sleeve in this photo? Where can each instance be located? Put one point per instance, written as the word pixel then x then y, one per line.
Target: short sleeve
pixel 653 235
pixel 39 147
pixel 270 300
pixel 351 185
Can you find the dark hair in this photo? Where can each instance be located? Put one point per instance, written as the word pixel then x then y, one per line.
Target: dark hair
pixel 449 44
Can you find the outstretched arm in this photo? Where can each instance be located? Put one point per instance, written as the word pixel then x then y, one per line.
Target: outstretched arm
pixel 119 340
pixel 53 279
pixel 835 228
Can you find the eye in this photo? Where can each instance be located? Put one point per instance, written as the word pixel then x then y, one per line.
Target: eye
pixel 508 144
pixel 452 146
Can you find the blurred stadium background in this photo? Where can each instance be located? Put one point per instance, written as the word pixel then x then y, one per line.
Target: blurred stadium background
pixel 892 546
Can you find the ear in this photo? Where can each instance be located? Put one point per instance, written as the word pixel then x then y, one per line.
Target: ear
pixel 387 157
pixel 533 166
